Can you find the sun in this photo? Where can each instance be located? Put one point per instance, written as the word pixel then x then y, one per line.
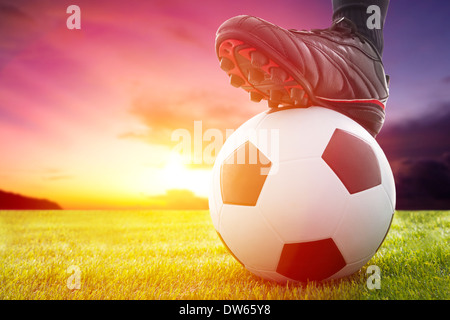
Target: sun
pixel 177 175
pixel 175 171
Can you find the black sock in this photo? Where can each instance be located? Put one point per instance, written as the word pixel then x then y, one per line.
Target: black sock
pixel 367 23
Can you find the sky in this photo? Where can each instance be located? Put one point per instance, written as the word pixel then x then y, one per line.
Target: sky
pixel 87 116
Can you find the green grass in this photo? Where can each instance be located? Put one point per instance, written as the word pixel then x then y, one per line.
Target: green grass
pixel 177 255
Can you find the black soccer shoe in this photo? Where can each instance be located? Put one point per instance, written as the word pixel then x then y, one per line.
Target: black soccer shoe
pixel 336 68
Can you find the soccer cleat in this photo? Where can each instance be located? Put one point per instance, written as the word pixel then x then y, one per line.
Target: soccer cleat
pixel 336 68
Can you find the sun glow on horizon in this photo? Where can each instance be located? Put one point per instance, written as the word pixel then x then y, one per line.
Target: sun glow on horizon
pixel 178 176
pixel 173 174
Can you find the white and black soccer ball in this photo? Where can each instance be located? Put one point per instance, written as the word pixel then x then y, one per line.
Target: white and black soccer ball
pixel 302 194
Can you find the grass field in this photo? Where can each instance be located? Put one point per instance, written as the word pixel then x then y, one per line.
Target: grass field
pixel 177 255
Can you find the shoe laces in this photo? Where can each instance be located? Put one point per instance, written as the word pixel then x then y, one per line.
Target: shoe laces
pixel 342 27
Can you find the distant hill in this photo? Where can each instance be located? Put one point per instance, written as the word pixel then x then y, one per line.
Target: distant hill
pixel 12 201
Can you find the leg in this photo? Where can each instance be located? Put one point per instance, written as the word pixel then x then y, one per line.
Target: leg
pixel 369 21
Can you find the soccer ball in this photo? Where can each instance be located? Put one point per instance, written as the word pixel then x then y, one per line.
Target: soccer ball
pixel 302 194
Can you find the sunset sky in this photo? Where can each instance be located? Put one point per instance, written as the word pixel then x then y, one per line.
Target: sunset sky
pixel 86 116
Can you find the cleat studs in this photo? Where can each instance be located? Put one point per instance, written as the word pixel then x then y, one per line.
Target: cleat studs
pixel 272 104
pixel 304 101
pixel 275 95
pixel 236 81
pixel 297 94
pixel 226 64
pixel 275 98
pixel 256 96
pixel 246 53
pixel 278 75
pixel 258 59
pixel 255 75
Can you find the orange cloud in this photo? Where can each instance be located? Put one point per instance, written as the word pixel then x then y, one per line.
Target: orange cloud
pixel 164 115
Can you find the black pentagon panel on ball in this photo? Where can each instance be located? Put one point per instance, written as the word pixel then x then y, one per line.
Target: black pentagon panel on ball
pixel 353 161
pixel 242 175
pixel 310 261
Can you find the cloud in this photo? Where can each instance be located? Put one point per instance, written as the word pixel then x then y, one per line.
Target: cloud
pixel 202 118
pixel 23 22
pixel 419 153
pixel 419 138
pixel 17 28
pixel 163 115
pixel 58 177
pixel 424 184
pixel 10 14
pixel 181 33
